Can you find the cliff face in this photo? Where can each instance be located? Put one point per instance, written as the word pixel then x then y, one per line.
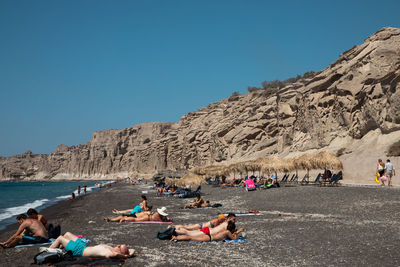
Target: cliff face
pixel 355 95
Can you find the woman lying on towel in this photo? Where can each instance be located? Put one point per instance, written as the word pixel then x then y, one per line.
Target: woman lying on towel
pixel 206 235
pixel 125 216
pixel 211 224
pixel 159 216
pixel 139 208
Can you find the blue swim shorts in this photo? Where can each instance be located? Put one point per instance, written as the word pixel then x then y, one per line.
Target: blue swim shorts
pixel 76 247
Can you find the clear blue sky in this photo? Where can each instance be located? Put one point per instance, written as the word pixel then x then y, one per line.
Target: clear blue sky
pixel 69 68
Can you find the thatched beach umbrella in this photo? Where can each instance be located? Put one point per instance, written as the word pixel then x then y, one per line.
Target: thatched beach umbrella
pixel 190 179
pixel 326 160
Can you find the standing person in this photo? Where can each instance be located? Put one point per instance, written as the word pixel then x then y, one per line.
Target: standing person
pixel 380 168
pixel 79 190
pixel 390 171
pixel 27 225
pixel 84 188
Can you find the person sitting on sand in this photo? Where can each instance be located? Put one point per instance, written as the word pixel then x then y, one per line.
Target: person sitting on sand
pixel 211 224
pixel 38 233
pixel 198 203
pixel 79 248
pixel 137 209
pixel 230 233
pixel 33 214
pixel 159 216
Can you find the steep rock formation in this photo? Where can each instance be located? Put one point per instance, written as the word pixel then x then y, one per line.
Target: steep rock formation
pixel 355 95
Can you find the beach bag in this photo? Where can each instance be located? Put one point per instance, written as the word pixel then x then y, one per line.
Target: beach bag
pixel 46 257
pixel 167 234
pixel 383 178
pixel 54 232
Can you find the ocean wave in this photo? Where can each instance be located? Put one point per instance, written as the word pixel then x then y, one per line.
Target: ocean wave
pixel 13 211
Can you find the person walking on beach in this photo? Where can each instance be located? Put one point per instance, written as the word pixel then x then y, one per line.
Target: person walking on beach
pixel 79 190
pixel 27 225
pixel 79 248
pixel 389 171
pixel 84 188
pixel 380 168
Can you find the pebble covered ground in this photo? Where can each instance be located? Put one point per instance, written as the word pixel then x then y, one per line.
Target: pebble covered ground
pixel 298 226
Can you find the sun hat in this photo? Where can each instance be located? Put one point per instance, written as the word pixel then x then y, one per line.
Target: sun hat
pixel 163 211
pixel 221 216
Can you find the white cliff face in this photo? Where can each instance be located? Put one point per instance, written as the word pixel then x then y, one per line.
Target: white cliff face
pixel 356 95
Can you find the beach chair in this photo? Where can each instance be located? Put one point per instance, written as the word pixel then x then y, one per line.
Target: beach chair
pixel 306 179
pixel 339 177
pixel 284 178
pixel 250 186
pixel 316 181
pixel 294 178
pixel 330 181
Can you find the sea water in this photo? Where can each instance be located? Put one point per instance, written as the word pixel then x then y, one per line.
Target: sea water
pixel 18 197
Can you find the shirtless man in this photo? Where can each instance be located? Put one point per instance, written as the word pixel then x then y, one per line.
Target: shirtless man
pixel 218 229
pixel 211 224
pixel 160 216
pixel 79 248
pixel 27 225
pixel 198 203
pixel 33 214
pixel 229 233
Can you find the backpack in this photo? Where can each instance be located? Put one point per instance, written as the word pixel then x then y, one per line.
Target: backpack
pixel 167 234
pixel 45 257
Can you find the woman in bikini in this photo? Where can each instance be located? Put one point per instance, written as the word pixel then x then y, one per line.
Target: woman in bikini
pixel 211 224
pixel 159 216
pixel 229 233
pixel 122 218
pixel 139 208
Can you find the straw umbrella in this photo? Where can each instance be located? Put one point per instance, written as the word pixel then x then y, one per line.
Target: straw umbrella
pixel 190 179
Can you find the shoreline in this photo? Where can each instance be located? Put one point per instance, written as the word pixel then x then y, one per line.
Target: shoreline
pixel 301 225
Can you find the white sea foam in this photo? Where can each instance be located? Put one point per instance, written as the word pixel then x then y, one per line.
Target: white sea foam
pixel 13 211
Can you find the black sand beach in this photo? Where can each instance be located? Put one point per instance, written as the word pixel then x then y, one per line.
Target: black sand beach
pixel 299 226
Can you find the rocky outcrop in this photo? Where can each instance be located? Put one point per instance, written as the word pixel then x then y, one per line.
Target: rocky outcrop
pixel 355 95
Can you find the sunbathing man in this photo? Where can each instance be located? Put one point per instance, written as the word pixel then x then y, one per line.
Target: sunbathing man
pixel 229 233
pixel 79 248
pixel 139 208
pixel 211 224
pixel 198 203
pixel 27 225
pixel 159 216
pixel 33 214
pixel 124 216
pixel 218 229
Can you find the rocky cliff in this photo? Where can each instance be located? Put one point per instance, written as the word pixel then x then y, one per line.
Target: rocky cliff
pixel 356 95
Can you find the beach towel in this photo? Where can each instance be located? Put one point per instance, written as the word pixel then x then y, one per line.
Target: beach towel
pixel 51 240
pixel 242 213
pixel 146 222
pixel 239 240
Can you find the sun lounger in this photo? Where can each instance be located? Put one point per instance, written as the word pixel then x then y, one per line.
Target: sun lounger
pixel 306 179
pixel 339 177
pixel 294 178
pixel 284 178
